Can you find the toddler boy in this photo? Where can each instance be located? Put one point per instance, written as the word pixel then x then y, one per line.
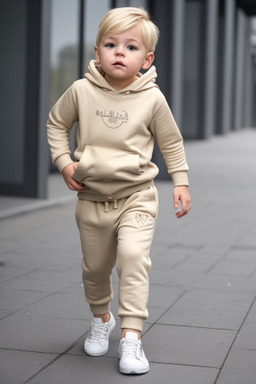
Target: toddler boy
pixel 120 113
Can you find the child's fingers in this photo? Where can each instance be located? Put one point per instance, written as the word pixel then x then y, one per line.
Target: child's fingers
pixel 176 199
pixel 186 205
pixel 74 185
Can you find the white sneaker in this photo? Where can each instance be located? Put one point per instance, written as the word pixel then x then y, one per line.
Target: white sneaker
pixel 97 342
pixel 132 356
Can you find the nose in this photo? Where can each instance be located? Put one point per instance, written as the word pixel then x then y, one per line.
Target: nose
pixel 119 50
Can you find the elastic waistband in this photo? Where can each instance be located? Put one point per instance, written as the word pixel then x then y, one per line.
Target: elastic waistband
pixel 91 195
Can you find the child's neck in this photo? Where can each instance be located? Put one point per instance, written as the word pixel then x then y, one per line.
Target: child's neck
pixel 118 85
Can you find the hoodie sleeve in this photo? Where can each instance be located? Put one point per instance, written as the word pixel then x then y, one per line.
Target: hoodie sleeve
pixel 61 119
pixel 170 142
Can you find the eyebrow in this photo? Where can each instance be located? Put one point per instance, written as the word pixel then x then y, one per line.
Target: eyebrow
pixel 132 40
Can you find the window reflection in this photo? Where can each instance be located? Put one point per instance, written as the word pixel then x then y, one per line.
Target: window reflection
pixel 93 16
pixel 64 46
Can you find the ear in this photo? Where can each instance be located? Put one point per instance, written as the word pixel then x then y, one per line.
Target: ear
pixel 148 60
pixel 97 55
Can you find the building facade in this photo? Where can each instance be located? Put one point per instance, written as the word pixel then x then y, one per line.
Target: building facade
pixel 205 59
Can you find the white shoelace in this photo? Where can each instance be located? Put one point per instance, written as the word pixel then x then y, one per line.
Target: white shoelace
pixel 132 349
pixel 98 331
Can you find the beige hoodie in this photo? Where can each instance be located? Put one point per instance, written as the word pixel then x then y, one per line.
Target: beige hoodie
pixel 115 135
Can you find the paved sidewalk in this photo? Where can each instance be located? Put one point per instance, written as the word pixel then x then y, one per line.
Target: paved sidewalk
pixel 202 324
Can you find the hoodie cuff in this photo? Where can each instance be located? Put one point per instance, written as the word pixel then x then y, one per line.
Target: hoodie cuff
pixel 180 178
pixel 62 161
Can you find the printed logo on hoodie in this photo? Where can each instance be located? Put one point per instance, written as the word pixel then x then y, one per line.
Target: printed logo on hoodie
pixel 113 119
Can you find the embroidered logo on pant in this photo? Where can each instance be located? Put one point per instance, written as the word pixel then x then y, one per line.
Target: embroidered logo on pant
pixel 141 219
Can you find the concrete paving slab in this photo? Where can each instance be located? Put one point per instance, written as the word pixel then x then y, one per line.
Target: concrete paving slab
pixel 187 345
pixel 186 279
pixel 210 309
pixel 32 230
pixel 168 255
pixel 61 305
pixel 239 368
pixel 157 304
pixel 213 249
pixel 240 364
pixel 246 340
pixel 176 374
pixel 238 254
pixel 77 369
pixel 26 365
pixel 42 280
pixel 10 272
pixel 248 240
pixel 29 259
pixel 70 261
pixel 28 332
pixel 196 264
pixel 74 288
pixel 251 316
pixel 233 268
pixel 13 300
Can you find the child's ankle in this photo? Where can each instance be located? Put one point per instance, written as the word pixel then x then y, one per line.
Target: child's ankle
pixel 105 317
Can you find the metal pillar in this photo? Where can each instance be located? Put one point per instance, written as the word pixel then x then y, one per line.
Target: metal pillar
pixel 228 68
pixel 193 68
pixel 177 59
pixel 27 171
pixel 81 39
pixel 239 70
pixel 208 97
pixel 249 101
pixel 162 16
pixel 43 108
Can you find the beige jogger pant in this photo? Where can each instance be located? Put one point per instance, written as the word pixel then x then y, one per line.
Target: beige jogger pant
pixel 118 233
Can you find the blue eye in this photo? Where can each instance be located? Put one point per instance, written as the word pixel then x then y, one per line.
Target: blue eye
pixel 110 45
pixel 131 48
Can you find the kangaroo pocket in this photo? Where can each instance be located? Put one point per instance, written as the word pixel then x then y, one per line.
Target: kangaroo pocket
pixel 106 170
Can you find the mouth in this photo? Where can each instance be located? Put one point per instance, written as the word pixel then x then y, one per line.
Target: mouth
pixel 119 64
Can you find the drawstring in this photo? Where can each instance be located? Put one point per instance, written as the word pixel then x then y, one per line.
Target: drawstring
pixel 107 205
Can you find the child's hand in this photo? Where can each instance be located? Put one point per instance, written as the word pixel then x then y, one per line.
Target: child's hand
pixel 181 193
pixel 67 173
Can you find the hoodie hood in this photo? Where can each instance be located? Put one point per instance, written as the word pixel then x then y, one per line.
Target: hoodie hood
pixel 143 82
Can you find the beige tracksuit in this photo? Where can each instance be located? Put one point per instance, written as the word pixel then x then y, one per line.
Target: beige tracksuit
pixel 116 212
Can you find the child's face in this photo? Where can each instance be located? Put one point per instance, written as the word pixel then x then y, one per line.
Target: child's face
pixel 122 56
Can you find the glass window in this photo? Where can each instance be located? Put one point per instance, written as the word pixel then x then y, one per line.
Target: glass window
pixel 13 82
pixel 64 52
pixel 192 66
pixel 93 16
pixel 64 46
pixel 131 3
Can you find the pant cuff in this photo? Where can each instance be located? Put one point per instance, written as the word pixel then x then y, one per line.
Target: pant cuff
pixel 100 309
pixel 132 323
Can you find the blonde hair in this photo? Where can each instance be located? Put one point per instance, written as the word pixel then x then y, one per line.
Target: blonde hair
pixel 119 20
